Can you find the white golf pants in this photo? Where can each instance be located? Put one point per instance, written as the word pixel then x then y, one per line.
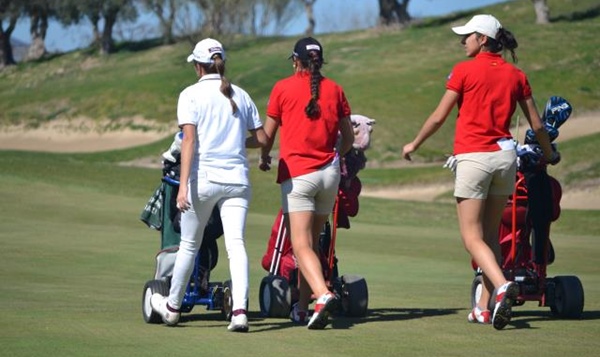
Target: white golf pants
pixel 233 201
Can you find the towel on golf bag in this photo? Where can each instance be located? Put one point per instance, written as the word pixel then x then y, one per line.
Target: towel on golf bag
pixel 151 214
pixel 363 126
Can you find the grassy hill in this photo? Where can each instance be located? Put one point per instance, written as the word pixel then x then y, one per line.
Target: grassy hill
pixel 395 76
pixel 76 256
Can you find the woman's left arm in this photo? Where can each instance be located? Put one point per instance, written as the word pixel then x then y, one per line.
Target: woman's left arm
pixel 347 133
pixel 187 153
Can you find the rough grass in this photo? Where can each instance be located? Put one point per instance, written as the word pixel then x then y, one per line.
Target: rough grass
pixel 395 76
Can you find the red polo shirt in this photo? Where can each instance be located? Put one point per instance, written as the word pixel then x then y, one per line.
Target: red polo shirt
pixel 306 144
pixel 489 89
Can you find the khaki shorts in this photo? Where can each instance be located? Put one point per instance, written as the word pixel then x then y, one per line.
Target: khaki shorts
pixel 315 192
pixel 485 173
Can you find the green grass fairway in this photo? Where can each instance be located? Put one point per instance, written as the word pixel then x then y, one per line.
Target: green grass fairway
pixel 76 257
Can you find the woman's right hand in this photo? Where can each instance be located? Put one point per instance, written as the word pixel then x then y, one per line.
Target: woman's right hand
pixel 407 150
pixel 182 202
pixel 265 163
pixel 554 159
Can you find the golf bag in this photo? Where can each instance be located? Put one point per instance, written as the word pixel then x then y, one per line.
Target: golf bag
pixel 279 290
pixel 537 204
pixel 524 232
pixel 169 217
pixel 161 213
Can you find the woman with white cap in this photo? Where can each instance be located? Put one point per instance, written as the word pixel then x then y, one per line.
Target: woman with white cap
pixel 486 90
pixel 312 111
pixel 215 117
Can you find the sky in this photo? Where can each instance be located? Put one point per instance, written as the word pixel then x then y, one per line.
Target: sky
pixel 331 16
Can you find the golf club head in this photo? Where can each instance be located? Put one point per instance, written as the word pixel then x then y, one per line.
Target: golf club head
pixel 556 113
pixel 530 135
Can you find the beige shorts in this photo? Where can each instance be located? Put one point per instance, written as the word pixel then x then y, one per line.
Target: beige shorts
pixel 485 173
pixel 315 192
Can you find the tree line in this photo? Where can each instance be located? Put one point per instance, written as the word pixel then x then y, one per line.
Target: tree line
pixel 214 18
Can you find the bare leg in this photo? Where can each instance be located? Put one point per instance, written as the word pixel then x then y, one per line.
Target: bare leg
pixel 494 206
pixel 318 226
pixel 304 292
pixel 303 226
pixel 303 286
pixel 471 216
pixel 486 293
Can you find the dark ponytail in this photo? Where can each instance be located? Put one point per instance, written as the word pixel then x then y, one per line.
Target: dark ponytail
pixel 218 66
pixel 504 41
pixel 314 64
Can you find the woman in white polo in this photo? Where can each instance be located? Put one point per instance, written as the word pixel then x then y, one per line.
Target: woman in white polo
pixel 215 117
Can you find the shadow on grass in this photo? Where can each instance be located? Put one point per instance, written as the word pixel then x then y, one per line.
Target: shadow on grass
pixel 578 15
pixel 523 319
pixel 201 314
pixel 590 13
pixel 136 46
pixel 259 323
pixel 440 21
pixel 392 314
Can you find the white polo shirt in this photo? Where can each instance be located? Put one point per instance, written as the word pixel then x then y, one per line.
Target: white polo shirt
pixel 221 150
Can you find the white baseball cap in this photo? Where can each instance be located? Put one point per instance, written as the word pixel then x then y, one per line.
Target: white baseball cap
pixel 484 24
pixel 205 49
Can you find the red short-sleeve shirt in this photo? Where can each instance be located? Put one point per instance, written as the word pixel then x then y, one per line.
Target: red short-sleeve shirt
pixel 306 144
pixel 489 89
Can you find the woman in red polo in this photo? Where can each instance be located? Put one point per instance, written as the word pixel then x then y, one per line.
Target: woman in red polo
pixel 486 90
pixel 312 112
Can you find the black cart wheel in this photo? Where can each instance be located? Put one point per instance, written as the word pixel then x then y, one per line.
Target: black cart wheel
pixel 275 297
pixel 568 297
pixel 227 305
pixel 477 289
pixel 152 287
pixel 355 295
pixel 226 310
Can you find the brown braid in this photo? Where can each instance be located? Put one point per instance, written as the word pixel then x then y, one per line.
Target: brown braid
pixel 505 40
pixel 314 64
pixel 218 66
